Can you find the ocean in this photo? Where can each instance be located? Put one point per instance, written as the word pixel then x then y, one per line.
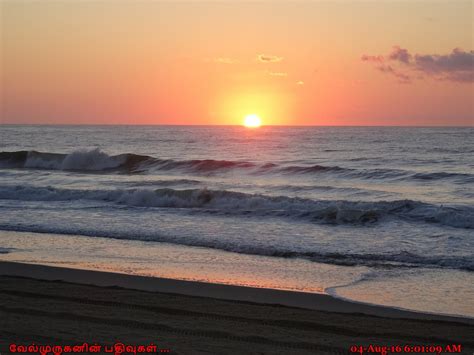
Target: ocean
pixel 382 215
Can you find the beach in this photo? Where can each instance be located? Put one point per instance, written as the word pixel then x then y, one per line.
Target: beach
pixel 236 177
pixel 50 305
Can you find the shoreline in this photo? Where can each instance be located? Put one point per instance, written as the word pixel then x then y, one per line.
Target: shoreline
pixel 262 296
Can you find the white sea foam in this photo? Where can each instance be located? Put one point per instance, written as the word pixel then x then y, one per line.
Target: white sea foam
pixel 90 160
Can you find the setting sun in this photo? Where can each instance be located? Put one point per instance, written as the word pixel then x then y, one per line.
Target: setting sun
pixel 252 121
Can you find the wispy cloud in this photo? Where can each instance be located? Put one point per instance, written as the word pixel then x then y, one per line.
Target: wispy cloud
pixel 388 69
pixel 372 58
pixel 281 74
pixel 269 58
pixel 300 82
pixel 457 66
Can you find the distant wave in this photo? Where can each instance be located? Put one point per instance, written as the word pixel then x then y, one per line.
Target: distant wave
pixel 96 161
pixel 237 203
pixel 311 169
pixel 81 160
pixel 443 175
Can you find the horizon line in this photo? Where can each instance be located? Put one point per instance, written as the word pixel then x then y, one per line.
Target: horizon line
pixel 221 125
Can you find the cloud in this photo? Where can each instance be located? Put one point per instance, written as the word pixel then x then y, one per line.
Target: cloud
pixel 269 58
pixel 300 82
pixel 457 66
pixel 458 60
pixel 400 54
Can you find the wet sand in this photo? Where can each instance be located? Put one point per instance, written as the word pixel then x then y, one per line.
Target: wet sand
pixel 50 305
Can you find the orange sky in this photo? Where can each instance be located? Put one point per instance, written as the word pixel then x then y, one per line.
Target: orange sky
pixel 291 62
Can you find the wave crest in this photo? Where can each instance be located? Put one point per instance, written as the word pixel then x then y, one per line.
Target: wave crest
pixel 97 161
pixel 82 160
pixel 238 203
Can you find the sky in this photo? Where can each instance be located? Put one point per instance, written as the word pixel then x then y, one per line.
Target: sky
pixel 289 62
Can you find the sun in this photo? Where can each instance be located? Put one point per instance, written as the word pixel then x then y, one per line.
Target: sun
pixel 252 121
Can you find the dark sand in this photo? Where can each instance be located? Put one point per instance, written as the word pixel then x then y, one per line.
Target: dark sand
pixel 48 305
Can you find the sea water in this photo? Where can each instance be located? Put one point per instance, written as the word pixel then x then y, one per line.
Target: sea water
pixel 382 215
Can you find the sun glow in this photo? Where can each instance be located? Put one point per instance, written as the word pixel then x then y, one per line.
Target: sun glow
pixel 252 121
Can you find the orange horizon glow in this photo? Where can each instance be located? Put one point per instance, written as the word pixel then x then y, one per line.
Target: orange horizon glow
pixel 213 63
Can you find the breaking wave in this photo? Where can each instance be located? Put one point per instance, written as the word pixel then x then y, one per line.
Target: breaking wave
pixel 237 203
pixel 100 162
pixel 81 160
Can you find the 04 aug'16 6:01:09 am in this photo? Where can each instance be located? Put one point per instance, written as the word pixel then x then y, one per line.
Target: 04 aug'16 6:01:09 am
pixel 407 349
